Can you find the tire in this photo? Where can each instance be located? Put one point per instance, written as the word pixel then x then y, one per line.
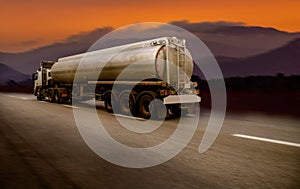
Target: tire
pixel 39 97
pixel 144 105
pixel 149 106
pixel 126 104
pixel 108 103
pixel 50 97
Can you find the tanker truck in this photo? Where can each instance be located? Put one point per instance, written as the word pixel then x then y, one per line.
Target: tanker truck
pixel 138 78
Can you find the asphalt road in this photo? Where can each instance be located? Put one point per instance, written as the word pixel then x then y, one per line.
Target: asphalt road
pixel 41 147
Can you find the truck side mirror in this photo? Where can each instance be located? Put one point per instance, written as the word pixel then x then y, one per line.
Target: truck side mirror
pixel 34 76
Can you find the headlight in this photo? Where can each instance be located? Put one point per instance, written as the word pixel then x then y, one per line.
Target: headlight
pixel 195 84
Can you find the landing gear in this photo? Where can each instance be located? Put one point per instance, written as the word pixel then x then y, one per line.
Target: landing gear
pixel 57 98
pixel 108 102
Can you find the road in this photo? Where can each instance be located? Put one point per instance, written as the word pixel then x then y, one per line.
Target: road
pixel 41 147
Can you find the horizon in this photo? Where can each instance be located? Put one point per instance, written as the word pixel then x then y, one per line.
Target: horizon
pixel 36 24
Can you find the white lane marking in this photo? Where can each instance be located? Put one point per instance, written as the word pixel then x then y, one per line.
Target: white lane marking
pixel 130 117
pixel 69 106
pixel 267 140
pixel 19 97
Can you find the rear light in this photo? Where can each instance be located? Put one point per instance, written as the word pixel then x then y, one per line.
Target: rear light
pixel 164 92
pixel 197 91
pixel 173 92
pixel 64 93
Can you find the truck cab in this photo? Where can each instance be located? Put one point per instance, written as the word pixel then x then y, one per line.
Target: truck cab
pixel 42 78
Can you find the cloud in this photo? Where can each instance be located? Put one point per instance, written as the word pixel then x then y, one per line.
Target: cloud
pixel 205 26
pixel 148 30
pixel 29 42
pixel 89 36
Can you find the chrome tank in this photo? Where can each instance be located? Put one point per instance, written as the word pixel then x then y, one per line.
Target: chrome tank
pixel 148 60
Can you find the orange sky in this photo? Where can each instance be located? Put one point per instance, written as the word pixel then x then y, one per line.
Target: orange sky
pixel 33 23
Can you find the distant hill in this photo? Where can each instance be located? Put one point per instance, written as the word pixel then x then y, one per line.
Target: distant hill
pixel 8 74
pixel 285 60
pixel 28 62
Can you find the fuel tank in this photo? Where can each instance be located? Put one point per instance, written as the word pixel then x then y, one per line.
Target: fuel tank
pixel 153 59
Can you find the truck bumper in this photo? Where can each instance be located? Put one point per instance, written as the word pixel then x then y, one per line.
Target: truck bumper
pixel 176 99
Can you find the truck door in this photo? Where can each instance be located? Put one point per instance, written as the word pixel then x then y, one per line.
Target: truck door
pixel 44 77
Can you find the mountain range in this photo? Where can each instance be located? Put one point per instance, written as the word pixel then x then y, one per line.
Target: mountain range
pixel 284 60
pixel 7 73
pixel 240 50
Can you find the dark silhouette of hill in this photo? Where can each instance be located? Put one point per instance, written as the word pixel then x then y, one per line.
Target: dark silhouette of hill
pixel 285 59
pixel 28 62
pixel 7 74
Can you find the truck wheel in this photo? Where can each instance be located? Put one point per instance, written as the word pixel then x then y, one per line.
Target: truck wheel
pixel 108 103
pixel 38 95
pixel 50 96
pixel 39 98
pixel 149 106
pixel 126 103
pixel 144 105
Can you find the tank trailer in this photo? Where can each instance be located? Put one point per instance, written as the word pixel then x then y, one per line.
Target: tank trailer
pixel 132 77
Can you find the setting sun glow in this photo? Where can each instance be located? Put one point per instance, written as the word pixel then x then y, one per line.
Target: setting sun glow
pixel 29 24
